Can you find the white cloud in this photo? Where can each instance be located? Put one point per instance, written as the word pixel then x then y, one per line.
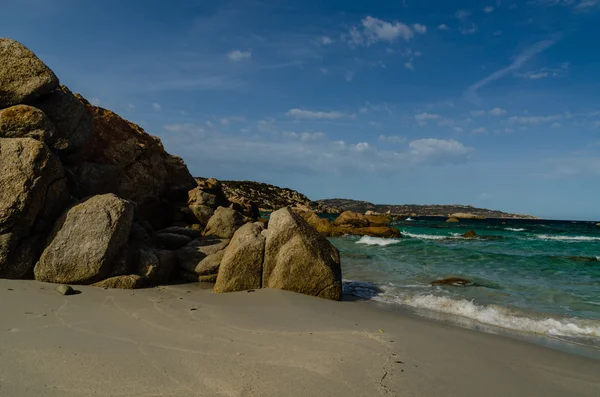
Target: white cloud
pixel 318 115
pixel 480 130
pixel 443 27
pixel 409 65
pixel 534 119
pixel 497 112
pixel 421 29
pixel 439 151
pixel 229 120
pixel 560 71
pixel 379 30
pixel 349 76
pixel 426 116
pixel 556 125
pixel 478 113
pixel 509 130
pixel 289 134
pixel 458 129
pixel 462 14
pixel 391 139
pixel 361 147
pixel 485 196
pixel 187 128
pixel 130 106
pixel 95 101
pixel 488 9
pixel 587 4
pixel 326 40
pixel 156 106
pixel 521 59
pixel 312 136
pixel 237 55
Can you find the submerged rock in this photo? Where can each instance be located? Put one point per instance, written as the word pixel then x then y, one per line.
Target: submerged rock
pixel 470 234
pixel 455 282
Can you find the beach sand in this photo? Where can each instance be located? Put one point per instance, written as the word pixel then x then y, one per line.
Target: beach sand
pixel 185 341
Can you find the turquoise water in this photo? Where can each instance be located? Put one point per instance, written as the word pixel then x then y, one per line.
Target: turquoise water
pixel 536 277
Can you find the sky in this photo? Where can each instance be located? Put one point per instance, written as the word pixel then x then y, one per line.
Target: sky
pixel 491 103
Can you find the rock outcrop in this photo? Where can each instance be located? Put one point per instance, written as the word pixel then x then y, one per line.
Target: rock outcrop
pixel 87 197
pixel 23 77
pixel 242 263
pixel 299 259
pixel 351 223
pixel 452 220
pixel 466 215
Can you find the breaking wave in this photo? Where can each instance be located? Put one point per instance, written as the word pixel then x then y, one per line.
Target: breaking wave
pixel 367 240
pixel 567 238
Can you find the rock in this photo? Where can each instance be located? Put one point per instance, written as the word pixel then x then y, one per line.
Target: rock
pixel 350 218
pixel 327 229
pixel 452 220
pixel 370 213
pixel 377 231
pixel 23 77
pixel 191 257
pixel 210 265
pixel 224 223
pixel 73 124
pixel 132 281
pixel 202 212
pixel 206 198
pixel 246 208
pixel 32 194
pixel 156 265
pixel 241 266
pixel 184 231
pixel 299 259
pixel 24 121
pixel 64 289
pixel 598 224
pixel 86 240
pixel 131 164
pixel 455 282
pixel 170 241
pixel 466 215
pixel 470 234
pixel 379 220
pixel 583 258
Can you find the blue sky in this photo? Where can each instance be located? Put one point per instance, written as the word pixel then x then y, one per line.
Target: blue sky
pixel 491 103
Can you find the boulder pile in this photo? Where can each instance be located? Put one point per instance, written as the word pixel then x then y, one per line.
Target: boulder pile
pixel 87 197
pixel 353 223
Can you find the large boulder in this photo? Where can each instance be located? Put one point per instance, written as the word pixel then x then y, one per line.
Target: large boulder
pixel 202 257
pixel 86 240
pixel 73 124
pixel 241 266
pixel 23 77
pixel 299 259
pixel 379 219
pixel 131 163
pixel 328 229
pixel 24 121
pixel 156 265
pixel 350 218
pixel 224 223
pixel 206 198
pixel 32 194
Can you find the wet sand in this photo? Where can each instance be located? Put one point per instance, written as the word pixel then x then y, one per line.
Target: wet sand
pixel 185 341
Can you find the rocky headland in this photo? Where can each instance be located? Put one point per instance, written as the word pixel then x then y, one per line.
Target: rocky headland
pixel 89 198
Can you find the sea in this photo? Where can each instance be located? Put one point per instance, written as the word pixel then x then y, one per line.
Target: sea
pixel 530 278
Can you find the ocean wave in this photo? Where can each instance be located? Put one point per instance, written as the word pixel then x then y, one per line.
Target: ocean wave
pixel 368 240
pixel 510 229
pixel 429 236
pixel 502 317
pixel 567 238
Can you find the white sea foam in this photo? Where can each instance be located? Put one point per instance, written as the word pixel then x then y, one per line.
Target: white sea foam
pixel 510 229
pixel 502 317
pixel 429 236
pixel 409 219
pixel 368 240
pixel 567 238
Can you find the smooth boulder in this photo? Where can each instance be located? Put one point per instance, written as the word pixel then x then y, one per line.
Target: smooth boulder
pixel 23 76
pixel 23 121
pixel 241 266
pixel 452 220
pixel 86 240
pixel 224 223
pixel 351 218
pixel 299 259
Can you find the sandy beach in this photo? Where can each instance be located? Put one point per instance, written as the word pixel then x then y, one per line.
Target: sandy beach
pixel 185 341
